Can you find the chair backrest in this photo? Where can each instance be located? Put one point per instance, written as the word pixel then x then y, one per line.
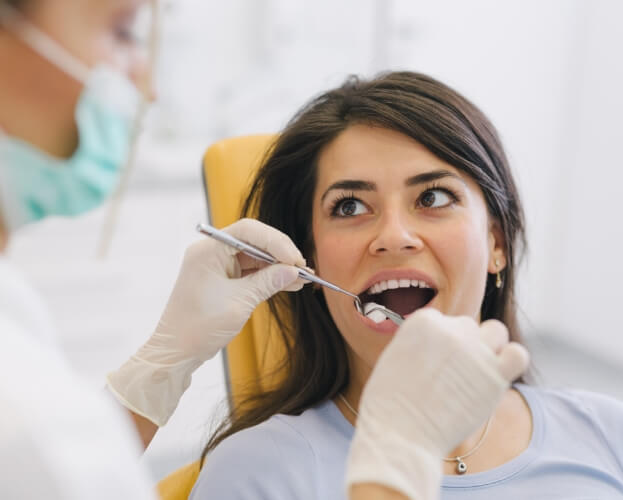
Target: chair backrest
pixel 251 358
pixel 179 484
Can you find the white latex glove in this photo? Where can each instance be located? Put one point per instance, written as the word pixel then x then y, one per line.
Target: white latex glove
pixel 437 381
pixel 216 291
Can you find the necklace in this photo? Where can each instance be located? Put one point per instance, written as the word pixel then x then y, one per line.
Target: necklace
pixel 461 466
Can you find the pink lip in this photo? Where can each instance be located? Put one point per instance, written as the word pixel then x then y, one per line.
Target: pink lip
pixel 386 327
pixel 396 274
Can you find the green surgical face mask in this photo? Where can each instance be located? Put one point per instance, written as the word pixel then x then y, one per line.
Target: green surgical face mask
pixel 33 184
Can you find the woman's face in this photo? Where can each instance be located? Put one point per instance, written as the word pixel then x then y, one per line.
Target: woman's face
pixel 400 227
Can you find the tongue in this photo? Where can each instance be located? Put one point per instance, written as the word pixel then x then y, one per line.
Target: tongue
pixel 405 300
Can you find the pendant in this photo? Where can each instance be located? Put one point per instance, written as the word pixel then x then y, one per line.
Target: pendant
pixel 461 467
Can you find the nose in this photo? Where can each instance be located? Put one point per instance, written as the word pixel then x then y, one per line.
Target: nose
pixel 396 234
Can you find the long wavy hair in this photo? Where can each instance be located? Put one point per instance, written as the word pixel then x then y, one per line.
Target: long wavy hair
pixel 281 195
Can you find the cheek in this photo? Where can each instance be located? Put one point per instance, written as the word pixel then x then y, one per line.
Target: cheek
pixel 463 245
pixel 333 257
pixel 335 254
pixel 338 258
pixel 335 260
pixel 463 256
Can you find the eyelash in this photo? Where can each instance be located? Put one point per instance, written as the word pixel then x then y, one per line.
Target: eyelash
pixel 437 187
pixel 339 200
pixel 432 187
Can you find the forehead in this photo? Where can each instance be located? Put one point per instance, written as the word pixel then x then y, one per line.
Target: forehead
pixel 377 154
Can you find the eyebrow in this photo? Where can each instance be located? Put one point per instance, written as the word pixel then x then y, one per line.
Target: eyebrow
pixel 360 185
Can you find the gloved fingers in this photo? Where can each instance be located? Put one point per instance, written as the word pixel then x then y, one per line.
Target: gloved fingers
pixel 299 283
pixel 296 286
pixel 263 284
pixel 513 361
pixel 266 238
pixel 422 319
pixel 494 334
pixel 249 265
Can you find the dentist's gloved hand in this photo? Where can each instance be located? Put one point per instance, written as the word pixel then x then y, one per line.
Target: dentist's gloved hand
pixel 216 291
pixel 437 381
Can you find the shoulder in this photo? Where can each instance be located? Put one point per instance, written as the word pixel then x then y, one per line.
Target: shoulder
pixel 590 415
pixel 276 459
pixel 276 439
pixel 592 405
pixel 604 411
pixel 261 462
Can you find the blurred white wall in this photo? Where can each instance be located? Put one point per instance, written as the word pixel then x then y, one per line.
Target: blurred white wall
pixel 549 75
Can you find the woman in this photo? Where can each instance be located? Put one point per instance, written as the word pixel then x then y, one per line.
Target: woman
pixel 62 146
pixel 398 189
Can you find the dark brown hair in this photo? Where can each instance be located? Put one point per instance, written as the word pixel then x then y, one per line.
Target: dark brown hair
pixel 281 195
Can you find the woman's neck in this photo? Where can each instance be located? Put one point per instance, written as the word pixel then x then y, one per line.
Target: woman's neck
pixel 359 374
pixel 510 423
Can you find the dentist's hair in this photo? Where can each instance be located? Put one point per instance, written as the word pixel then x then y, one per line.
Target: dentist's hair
pixel 281 195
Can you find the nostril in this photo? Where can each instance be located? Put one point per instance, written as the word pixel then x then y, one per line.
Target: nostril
pixel 406 244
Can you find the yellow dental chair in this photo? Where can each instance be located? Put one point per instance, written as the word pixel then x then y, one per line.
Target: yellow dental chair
pixel 228 167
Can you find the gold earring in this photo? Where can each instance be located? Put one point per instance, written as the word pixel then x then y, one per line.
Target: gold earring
pixel 498 278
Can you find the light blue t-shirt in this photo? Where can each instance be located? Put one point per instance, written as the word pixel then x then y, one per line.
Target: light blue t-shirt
pixel 575 452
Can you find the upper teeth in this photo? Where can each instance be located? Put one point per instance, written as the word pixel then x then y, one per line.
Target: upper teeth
pixel 381 286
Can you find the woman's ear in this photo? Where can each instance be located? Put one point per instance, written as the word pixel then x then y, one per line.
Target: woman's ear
pixel 497 246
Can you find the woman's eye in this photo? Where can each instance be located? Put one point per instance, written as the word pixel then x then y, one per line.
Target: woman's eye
pixel 435 198
pixel 349 207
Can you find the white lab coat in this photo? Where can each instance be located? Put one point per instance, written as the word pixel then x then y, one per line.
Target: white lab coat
pixel 59 439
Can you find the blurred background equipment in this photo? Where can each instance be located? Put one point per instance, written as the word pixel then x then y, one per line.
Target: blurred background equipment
pixel 548 74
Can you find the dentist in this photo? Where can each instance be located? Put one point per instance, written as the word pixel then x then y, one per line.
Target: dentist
pixel 73 77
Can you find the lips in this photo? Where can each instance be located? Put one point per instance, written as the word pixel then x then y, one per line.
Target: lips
pixel 402 291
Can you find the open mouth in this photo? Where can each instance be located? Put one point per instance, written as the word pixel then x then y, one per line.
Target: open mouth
pixel 403 296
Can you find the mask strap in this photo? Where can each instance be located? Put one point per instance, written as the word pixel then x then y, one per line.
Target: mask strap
pixel 44 45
